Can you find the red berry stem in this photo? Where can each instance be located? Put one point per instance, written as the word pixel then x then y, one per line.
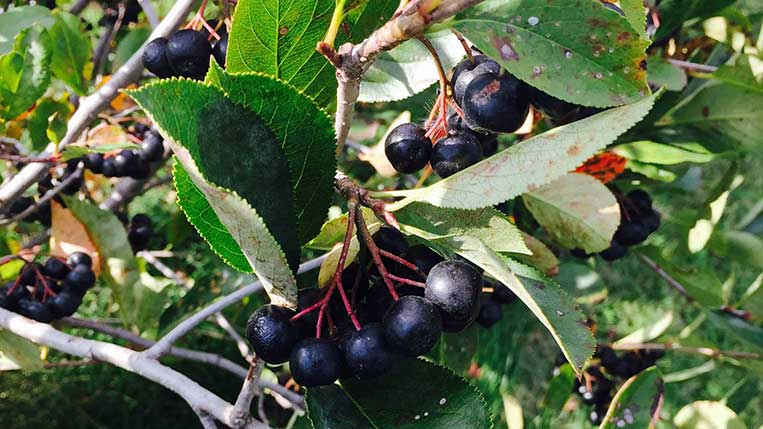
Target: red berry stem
pixel 352 210
pixel 17 282
pixel 402 261
pixel 374 249
pixel 46 290
pixel 406 281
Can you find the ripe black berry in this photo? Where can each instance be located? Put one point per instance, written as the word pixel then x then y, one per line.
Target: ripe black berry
pixel 55 268
pixel 9 300
pixel 155 58
pixel 271 333
pixel 407 149
pixel 452 154
pixel 651 221
pixel 641 200
pixel 109 168
pixel 502 294
pixel 495 103
pixel 79 258
pixel 220 50
pixel 631 233
pixel 94 162
pixel 139 237
pixel 489 141
pixel 152 148
pixel 455 287
pixel 141 219
pixel 21 204
pixel 29 274
pixel 556 109
pixel 490 311
pixel 188 53
pixel 467 70
pixel 126 162
pixel 391 239
pixel 366 352
pixel 412 325
pixel 64 304
pixel 315 362
pixel 79 280
pixel 35 310
pixel 614 252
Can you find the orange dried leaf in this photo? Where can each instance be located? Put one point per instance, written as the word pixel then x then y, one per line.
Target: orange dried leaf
pixel 69 235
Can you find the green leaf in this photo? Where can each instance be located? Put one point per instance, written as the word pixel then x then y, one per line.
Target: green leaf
pixel 559 390
pixel 129 45
pixel 741 73
pixel 542 257
pixel 415 395
pixel 652 330
pixel 71 52
pixel 576 50
pixel 738 328
pixel 660 153
pixel 37 121
pixel 577 211
pixel 674 13
pixel 707 415
pixel 550 304
pixel 638 402
pixel 278 38
pixel 662 73
pixel 71 152
pixel 209 135
pixel 487 225
pixel 530 164
pixel 409 68
pixel 701 283
pixel 456 350
pixel 13 21
pixel 120 269
pixel 25 71
pixel 332 232
pixel 306 135
pixel 721 111
pixel 651 171
pixel 635 13
pixel 740 246
pixel 18 352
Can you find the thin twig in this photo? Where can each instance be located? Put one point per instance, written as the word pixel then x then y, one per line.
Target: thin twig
pixel 77 174
pixel 164 344
pixel 686 65
pixel 148 9
pixel 243 348
pixel 249 390
pixel 662 273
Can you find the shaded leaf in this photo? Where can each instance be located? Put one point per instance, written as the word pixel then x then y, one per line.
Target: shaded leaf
pixel 738 328
pixel 577 211
pixel 576 50
pixel 530 164
pixel 13 21
pixel 25 71
pixel 542 257
pixel 18 352
pixel 71 52
pixel 37 121
pixel 638 402
pixel 332 232
pixel 662 73
pixel 701 283
pixel 559 390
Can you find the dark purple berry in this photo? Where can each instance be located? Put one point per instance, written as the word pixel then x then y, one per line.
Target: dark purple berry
pixel 155 58
pixel 412 325
pixel 495 103
pixel 271 334
pixel 188 53
pixel 455 288
pixel 455 153
pixel 407 148
pixel 366 352
pixel 316 362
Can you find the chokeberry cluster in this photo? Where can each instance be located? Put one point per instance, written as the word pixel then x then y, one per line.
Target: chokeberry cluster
pixel 127 162
pixel 597 386
pixel 638 220
pixel 185 53
pixel 49 291
pixel 407 322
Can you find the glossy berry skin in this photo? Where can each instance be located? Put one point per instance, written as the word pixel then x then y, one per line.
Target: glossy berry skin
pixel 79 258
pixel 455 288
pixel 452 154
pixel 152 148
pixel 489 141
pixel 467 70
pixel 631 233
pixel 109 168
pixel 554 108
pixel 407 148
pixel 316 362
pixel 35 310
pixel 79 280
pixel 391 239
pixel 423 257
pixel 141 219
pixel 155 58
pixel 94 162
pixel 9 301
pixel 64 304
pixel 139 238
pixel 366 352
pixel 495 103
pixel 614 252
pixel 412 325
pixel 220 50
pixel 126 162
pixel 55 268
pixel 188 53
pixel 490 311
pixel 271 334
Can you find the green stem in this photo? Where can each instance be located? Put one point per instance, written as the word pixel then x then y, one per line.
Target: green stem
pixel 336 21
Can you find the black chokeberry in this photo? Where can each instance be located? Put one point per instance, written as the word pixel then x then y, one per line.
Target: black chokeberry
pixel 126 162
pixel 64 304
pixel 220 50
pixel 412 325
pixel 366 352
pixel 502 294
pixel 455 288
pixel 554 108
pixel 305 298
pixel 29 274
pixel 94 162
pixel 651 221
pixel 407 148
pixel 109 167
pixel 35 310
pixel 353 275
pixel 271 334
pixel 141 219
pixel 495 103
pixel 454 153
pixel 141 171
pixel 640 199
pixel 155 58
pixel 467 70
pixel 188 53
pixel 391 240
pixel 79 280
pixel 631 233
pixel 316 362
pixel 152 148
pixel 10 295
pixel 79 258
pixel 489 141
pixel 490 311
pixel 21 204
pixel 614 252
pixel 55 268
pixel 139 237
pixel 423 257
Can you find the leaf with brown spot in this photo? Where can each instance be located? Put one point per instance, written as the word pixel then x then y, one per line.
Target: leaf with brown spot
pixel 69 235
